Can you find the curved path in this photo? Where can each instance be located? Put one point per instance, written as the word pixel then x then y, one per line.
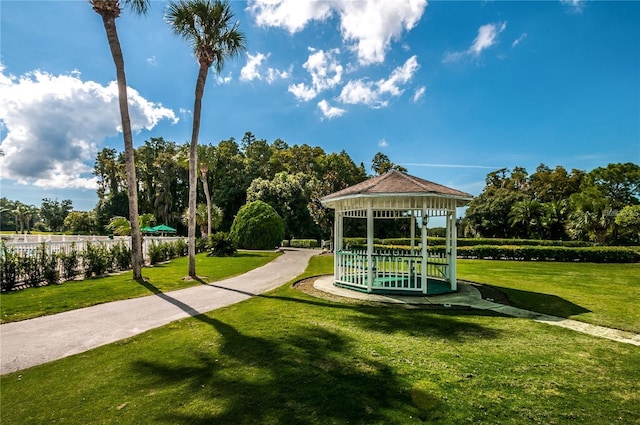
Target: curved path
pixel 41 340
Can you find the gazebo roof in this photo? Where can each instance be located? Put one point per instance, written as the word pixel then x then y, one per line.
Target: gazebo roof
pixel 397 184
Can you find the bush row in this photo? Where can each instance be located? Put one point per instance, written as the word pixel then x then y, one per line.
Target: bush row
pixel 431 240
pixel 607 254
pixel 42 267
pixel 165 251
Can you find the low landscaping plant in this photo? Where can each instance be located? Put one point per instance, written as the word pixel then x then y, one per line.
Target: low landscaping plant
pixel 303 243
pixel 221 245
pixel 70 260
pixel 96 260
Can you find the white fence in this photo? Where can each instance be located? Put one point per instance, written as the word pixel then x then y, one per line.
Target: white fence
pixel 392 269
pixel 29 244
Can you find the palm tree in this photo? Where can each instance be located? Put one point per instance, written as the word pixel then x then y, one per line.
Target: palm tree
pixel 207 25
pixel 527 213
pixel 206 160
pixel 109 10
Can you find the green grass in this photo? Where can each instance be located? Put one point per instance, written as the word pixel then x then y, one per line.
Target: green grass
pixel 35 302
pixel 601 294
pixel 289 358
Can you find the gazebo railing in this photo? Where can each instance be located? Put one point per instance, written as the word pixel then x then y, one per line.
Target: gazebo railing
pixel 392 269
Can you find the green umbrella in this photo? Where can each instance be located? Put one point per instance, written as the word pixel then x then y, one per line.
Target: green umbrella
pixel 148 230
pixel 164 228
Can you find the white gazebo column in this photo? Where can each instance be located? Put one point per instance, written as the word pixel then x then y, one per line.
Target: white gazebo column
pixel 369 246
pixel 425 257
pixel 337 244
pixel 454 251
pixel 413 231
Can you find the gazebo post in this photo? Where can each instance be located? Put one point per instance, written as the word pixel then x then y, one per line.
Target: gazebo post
pixel 369 246
pixel 454 250
pixel 425 257
pixel 413 231
pixel 337 243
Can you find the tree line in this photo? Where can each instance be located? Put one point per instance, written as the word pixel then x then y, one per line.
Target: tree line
pixel 600 206
pixel 292 179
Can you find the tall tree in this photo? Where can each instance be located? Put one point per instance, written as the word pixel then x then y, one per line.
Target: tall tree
pixel 380 164
pixel 109 11
pixel 208 27
pixel 206 161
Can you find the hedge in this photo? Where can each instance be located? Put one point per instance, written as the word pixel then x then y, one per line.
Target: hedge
pixel 609 254
pixel 303 243
pixel 482 241
pixel 529 253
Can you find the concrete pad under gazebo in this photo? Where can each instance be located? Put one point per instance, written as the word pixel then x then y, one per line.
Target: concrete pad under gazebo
pixel 396 195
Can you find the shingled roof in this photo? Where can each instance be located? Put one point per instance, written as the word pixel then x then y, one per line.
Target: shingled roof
pixel 398 183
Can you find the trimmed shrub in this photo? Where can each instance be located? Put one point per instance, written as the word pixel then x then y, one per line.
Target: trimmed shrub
pixel 304 243
pixel 221 245
pixel 155 253
pixel 10 268
pixel 284 243
pixel 70 262
pixel 49 266
pixel 97 260
pixel 121 254
pixel 257 226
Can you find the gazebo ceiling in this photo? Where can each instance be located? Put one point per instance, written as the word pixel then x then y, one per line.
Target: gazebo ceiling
pixel 398 185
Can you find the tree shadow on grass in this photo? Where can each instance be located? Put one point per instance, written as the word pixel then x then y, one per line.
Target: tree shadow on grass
pixel 543 303
pixel 387 318
pixel 450 324
pixel 308 375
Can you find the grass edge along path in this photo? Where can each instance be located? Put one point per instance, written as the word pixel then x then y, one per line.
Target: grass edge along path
pixel 36 302
pixel 286 357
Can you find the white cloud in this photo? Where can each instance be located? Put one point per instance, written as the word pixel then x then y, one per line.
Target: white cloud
pixel 519 39
pixel 152 61
pixel 324 68
pixel 254 69
pixel 302 92
pixel 575 5
pixel 293 15
pixel 250 71
pixel 487 37
pixel 418 94
pixel 369 26
pixel 56 124
pixel 383 143
pixel 326 73
pixel 376 94
pixel 362 92
pixel 330 111
pixel 220 80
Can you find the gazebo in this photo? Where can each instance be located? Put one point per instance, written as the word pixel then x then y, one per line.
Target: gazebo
pixel 415 270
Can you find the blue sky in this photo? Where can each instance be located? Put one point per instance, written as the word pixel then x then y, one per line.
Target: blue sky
pixel 451 90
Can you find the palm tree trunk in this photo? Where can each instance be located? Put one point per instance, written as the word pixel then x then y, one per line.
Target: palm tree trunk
pixel 132 182
pixel 207 195
pixel 193 165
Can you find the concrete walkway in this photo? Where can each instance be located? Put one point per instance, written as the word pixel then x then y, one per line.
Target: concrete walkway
pixel 44 339
pixel 469 296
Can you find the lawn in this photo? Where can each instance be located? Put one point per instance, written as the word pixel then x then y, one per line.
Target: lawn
pixel 601 294
pixel 289 358
pixel 34 302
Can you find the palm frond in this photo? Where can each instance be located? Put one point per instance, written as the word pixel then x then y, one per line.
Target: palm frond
pixel 207 26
